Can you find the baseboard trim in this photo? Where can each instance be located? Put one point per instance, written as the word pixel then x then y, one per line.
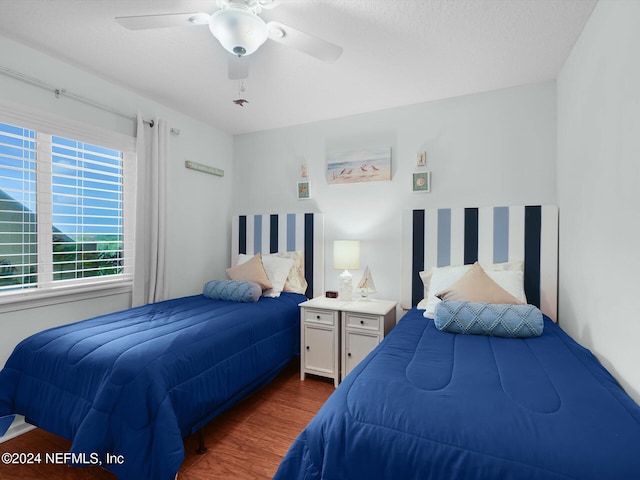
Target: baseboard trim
pixel 17 428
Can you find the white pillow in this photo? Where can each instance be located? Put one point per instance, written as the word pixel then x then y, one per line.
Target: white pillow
pixel 508 275
pixel 510 280
pixel 277 269
pixel 442 278
pixel 296 281
pixel 426 277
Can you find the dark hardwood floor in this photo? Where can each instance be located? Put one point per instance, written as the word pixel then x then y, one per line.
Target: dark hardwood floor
pixel 246 442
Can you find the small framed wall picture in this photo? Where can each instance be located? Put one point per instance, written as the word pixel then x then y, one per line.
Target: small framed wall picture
pixel 422 182
pixel 304 192
pixel 421 160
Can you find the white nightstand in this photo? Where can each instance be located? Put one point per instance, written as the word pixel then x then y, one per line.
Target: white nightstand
pixel 364 325
pixel 335 335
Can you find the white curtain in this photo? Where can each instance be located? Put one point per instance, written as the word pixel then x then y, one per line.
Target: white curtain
pixel 150 276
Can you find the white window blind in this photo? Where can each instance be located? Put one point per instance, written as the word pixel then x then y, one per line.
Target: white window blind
pixel 63 206
pixel 87 190
pixel 18 208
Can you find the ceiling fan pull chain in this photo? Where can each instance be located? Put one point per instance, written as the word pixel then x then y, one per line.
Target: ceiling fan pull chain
pixel 241 89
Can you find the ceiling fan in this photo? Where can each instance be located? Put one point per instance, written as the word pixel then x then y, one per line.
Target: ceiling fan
pixel 237 25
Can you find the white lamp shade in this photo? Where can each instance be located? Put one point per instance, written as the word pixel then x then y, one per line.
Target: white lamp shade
pixel 346 254
pixel 239 32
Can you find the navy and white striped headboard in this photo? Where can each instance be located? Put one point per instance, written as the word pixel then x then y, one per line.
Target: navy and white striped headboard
pixel 457 236
pixel 270 233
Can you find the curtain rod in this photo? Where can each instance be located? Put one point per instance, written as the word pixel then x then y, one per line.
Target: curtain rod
pixel 79 98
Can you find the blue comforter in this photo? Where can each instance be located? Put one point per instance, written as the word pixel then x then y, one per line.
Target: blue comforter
pixel 133 383
pixel 432 405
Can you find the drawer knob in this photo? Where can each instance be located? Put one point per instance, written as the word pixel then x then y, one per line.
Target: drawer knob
pixel 361 322
pixel 349 354
pixel 318 317
pixel 307 347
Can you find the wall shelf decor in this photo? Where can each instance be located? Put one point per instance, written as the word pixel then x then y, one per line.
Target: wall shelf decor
pixel 199 167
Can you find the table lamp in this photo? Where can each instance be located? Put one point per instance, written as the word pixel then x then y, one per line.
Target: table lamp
pixel 346 256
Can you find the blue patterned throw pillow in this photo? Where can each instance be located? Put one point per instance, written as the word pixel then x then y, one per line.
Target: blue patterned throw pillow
pixel 498 320
pixel 232 290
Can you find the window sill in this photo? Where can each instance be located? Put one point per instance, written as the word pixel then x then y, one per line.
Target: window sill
pixel 32 299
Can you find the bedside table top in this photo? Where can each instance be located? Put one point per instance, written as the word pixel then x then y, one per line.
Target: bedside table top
pixel 372 306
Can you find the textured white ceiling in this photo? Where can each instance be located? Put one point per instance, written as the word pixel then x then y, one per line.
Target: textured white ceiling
pixel 396 52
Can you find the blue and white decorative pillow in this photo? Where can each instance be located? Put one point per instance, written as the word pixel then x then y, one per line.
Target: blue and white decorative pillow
pixel 498 320
pixel 232 290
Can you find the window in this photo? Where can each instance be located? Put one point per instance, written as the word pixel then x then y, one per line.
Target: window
pixel 87 210
pixel 64 219
pixel 18 224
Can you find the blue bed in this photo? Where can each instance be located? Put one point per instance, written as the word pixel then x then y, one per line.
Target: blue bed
pixel 427 404
pixel 433 405
pixel 134 383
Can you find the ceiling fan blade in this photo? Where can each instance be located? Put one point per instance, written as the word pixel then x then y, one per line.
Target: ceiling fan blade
pixel 238 67
pixel 165 20
pixel 309 44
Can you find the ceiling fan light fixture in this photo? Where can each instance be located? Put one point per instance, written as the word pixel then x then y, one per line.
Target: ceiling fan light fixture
pixel 240 32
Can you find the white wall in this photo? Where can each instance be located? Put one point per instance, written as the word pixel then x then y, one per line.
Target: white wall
pixel 598 189
pixel 494 148
pixel 199 204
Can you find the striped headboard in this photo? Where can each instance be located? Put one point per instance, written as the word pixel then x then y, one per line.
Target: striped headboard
pixel 270 233
pixel 457 236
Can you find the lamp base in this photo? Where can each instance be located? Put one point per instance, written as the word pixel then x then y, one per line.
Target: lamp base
pixel 345 289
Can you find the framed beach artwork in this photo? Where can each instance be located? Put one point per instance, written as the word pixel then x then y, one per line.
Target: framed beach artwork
pixel 303 191
pixel 422 182
pixel 361 165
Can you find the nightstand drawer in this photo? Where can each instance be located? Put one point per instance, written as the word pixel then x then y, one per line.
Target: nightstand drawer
pixel 368 322
pixel 319 316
